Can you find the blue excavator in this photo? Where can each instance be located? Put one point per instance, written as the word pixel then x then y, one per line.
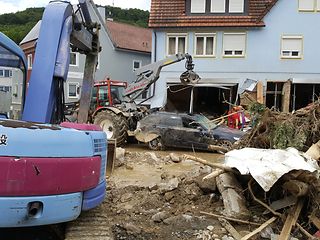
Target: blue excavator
pixel 50 170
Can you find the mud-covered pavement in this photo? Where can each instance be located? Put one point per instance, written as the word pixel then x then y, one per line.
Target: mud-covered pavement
pixel 152 195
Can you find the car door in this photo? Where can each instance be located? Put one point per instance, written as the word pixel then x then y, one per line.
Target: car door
pixel 172 134
pixel 193 134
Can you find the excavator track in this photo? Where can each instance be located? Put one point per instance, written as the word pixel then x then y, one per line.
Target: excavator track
pixel 91 225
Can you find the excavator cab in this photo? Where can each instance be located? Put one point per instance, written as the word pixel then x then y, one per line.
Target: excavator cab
pixel 11 94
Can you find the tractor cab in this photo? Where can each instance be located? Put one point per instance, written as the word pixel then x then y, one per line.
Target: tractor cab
pixel 107 93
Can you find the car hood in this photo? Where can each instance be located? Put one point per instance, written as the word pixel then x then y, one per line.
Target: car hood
pixel 226 133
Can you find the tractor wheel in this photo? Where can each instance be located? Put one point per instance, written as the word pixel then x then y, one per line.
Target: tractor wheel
pixel 114 125
pixel 156 144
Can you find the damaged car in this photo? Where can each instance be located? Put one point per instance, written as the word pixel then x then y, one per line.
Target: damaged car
pixel 193 131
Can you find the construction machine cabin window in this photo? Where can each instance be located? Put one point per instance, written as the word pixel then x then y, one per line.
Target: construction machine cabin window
pixel 205 45
pixel 291 47
pixel 176 44
pixel 234 44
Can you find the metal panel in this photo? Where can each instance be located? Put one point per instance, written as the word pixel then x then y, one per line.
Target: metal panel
pixel 56 209
pixel 47 176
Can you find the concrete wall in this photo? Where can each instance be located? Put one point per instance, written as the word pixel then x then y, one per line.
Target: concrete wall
pixel 262 61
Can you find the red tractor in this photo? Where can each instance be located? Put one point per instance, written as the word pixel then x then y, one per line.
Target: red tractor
pixel 113 104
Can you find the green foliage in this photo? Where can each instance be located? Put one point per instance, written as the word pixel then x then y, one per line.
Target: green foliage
pixel 287 135
pixel 132 16
pixel 17 25
pixel 256 111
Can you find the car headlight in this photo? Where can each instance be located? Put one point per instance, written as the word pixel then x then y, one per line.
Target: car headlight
pixel 236 138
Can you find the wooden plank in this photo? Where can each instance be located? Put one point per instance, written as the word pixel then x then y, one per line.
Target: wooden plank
pixel 234 233
pixel 111 156
pixel 230 218
pixel 260 97
pixel 286 96
pixel 259 229
pixel 315 220
pixel 291 221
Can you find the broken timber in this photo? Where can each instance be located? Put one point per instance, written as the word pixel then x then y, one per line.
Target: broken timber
pixel 291 221
pixel 234 233
pixel 259 229
pixel 210 164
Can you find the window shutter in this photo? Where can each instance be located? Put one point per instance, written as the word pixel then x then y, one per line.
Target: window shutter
pixel 198 6
pixel 292 44
pixel 234 42
pixel 236 6
pixel 306 5
pixel 218 6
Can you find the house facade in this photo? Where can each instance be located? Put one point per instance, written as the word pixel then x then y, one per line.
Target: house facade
pixel 124 48
pixel 274 42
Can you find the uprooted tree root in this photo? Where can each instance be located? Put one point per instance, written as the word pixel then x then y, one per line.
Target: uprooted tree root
pixel 281 130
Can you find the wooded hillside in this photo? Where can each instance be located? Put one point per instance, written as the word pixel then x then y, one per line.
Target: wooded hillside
pixel 17 25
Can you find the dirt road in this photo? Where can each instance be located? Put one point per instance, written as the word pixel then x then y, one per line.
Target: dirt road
pixel 150 197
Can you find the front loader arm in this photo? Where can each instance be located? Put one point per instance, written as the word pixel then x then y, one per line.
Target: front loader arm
pixel 149 74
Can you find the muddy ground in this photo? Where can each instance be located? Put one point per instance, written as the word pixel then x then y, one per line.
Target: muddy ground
pixel 150 195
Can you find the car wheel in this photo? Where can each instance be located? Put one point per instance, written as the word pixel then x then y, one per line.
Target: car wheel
pixel 225 144
pixel 156 144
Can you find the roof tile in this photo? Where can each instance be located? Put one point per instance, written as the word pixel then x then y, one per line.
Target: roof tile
pixel 129 37
pixel 172 13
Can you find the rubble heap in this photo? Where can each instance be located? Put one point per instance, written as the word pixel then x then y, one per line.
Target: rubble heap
pixel 278 130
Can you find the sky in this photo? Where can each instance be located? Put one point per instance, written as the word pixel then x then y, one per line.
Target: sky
pixel 8 6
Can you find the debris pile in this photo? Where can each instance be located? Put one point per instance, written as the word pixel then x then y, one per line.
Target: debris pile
pixel 276 193
pixel 278 130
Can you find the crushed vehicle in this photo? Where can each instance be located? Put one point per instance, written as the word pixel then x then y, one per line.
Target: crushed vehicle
pixel 164 129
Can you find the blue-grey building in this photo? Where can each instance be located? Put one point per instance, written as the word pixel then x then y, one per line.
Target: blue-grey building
pixel 275 42
pixel 124 48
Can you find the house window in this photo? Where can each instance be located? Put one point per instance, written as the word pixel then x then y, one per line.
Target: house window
pixel 291 46
pixel 74 59
pixel 234 44
pixel 205 44
pixel 136 64
pixel 236 6
pixel 5 73
pixel 176 44
pixel 29 58
pixel 307 5
pixel 198 6
pixel 98 61
pixel 218 6
pixel 73 90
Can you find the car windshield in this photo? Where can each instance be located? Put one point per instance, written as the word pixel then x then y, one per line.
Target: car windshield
pixel 205 122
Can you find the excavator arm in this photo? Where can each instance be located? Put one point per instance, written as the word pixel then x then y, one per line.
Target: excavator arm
pixel 62 27
pixel 149 74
